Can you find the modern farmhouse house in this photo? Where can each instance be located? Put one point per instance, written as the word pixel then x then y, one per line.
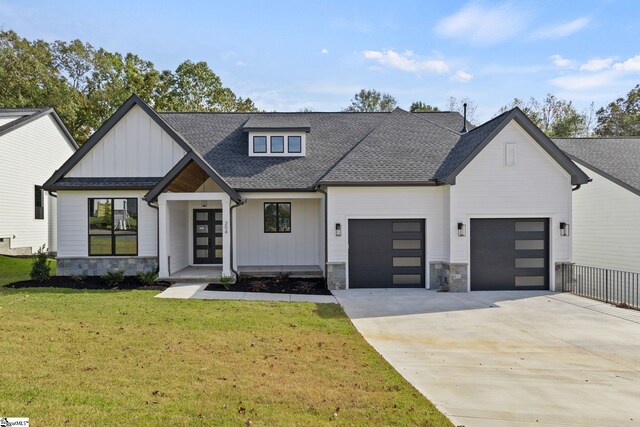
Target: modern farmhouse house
pixel 393 199
pixel 606 213
pixel 33 143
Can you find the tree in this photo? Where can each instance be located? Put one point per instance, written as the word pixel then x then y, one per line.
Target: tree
pixel 556 117
pixel 458 105
pixel 621 117
pixel 370 100
pixel 421 107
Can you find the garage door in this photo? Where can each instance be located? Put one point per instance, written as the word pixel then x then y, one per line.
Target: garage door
pixel 509 254
pixel 385 253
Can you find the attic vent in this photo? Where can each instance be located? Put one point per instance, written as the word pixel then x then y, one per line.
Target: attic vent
pixel 510 154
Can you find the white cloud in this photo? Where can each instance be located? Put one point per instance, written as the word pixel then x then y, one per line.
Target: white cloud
pixel 561 62
pixel 406 61
pixel 462 76
pixel 483 24
pixel 324 51
pixel 561 30
pixel 578 82
pixel 632 64
pixel 596 64
pixel 240 64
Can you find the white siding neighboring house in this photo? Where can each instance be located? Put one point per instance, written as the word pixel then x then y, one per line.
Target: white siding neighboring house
pixel 33 144
pixel 365 200
pixel 606 213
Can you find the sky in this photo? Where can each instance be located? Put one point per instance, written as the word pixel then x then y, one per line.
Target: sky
pixel 288 55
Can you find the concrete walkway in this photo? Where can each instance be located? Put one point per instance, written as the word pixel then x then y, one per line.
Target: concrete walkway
pixel 196 291
pixel 508 358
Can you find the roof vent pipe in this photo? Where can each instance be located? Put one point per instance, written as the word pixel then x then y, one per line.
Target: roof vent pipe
pixel 464 124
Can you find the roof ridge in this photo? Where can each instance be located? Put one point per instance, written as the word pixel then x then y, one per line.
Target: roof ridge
pixel 349 151
pixel 435 124
pixel 275 112
pixel 599 137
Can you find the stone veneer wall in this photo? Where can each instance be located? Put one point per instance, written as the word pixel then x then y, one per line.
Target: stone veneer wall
pixel 336 276
pixel 449 277
pixel 97 266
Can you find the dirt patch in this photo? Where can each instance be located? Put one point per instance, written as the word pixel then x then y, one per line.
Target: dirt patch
pixel 282 284
pixel 90 282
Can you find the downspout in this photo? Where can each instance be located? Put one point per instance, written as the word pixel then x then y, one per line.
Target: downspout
pixel 157 231
pixel 577 187
pixel 326 227
pixel 233 270
pixel 51 194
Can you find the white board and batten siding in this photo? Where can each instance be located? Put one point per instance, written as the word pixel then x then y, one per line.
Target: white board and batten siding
pixel 304 246
pixel 606 225
pixel 73 222
pixel 28 157
pixel 535 186
pixel 135 147
pixel 386 203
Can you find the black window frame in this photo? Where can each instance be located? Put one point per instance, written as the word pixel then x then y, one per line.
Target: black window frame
pixel 289 144
pixel 271 144
pixel 264 214
pixel 38 202
pixel 113 231
pixel 266 145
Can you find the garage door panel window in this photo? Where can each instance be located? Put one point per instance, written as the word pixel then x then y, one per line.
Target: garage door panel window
pixel 529 226
pixel 407 279
pixel 524 245
pixel 407 244
pixel 530 281
pixel 529 262
pixel 406 261
pixel 406 227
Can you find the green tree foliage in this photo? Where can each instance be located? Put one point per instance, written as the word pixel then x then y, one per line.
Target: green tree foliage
pixel 458 105
pixel 86 85
pixel 421 107
pixel 621 117
pixel 370 100
pixel 556 117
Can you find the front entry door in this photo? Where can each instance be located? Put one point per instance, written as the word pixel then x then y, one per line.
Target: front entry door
pixel 207 236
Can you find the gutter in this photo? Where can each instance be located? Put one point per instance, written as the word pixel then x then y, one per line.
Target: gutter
pixel 51 194
pixel 157 231
pixel 577 187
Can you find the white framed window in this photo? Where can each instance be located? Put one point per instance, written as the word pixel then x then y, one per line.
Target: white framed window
pixel 277 144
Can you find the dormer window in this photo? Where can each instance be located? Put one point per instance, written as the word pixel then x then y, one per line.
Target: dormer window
pixel 259 144
pixel 277 144
pixel 294 144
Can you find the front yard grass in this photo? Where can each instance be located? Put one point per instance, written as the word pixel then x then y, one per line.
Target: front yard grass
pixel 109 357
pixel 17 269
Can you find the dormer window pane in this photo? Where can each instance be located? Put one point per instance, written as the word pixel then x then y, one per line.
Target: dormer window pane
pixel 259 144
pixel 277 144
pixel 295 144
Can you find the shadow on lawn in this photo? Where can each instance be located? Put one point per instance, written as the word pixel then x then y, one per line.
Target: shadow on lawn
pixel 329 311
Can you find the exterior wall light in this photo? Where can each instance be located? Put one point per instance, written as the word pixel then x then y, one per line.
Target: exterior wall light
pixel 462 230
pixel 564 229
pixel 338 229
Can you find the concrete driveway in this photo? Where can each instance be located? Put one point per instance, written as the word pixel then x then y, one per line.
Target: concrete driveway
pixel 508 358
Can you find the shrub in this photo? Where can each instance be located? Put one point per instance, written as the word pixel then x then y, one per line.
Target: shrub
pixel 40 268
pixel 147 277
pixel 113 278
pixel 78 278
pixel 226 281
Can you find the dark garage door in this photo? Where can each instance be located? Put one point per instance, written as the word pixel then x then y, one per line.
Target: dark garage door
pixel 509 254
pixel 385 253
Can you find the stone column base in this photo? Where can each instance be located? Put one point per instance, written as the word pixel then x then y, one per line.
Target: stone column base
pixel 97 266
pixel 564 276
pixel 448 277
pixel 336 275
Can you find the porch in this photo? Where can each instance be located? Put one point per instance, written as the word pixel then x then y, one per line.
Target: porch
pixel 211 274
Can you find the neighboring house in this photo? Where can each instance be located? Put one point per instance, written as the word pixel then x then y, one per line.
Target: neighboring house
pixel 33 143
pixel 393 199
pixel 606 213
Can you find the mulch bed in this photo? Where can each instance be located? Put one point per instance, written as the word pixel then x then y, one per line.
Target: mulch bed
pixel 282 284
pixel 90 282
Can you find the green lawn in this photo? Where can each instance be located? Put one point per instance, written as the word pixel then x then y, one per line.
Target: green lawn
pixel 16 269
pixel 110 357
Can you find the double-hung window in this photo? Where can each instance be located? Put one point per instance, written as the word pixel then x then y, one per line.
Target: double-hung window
pixel 277 217
pixel 38 202
pixel 113 226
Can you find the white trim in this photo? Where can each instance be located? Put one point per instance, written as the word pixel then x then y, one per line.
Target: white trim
pixel 345 235
pixel 285 135
pixel 193 196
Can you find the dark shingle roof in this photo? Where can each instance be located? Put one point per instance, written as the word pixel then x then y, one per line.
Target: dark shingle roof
pixel 222 142
pixel 98 183
pixel 277 121
pixel 405 147
pixel 617 157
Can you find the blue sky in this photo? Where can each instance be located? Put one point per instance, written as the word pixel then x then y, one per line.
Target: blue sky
pixel 287 55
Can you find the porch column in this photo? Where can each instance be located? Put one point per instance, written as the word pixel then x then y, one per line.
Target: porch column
pixel 163 255
pixel 226 237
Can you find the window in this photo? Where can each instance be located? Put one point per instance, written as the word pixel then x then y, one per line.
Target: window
pixel 113 227
pixel 259 144
pixel 38 202
pixel 277 144
pixel 277 217
pixel 294 144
